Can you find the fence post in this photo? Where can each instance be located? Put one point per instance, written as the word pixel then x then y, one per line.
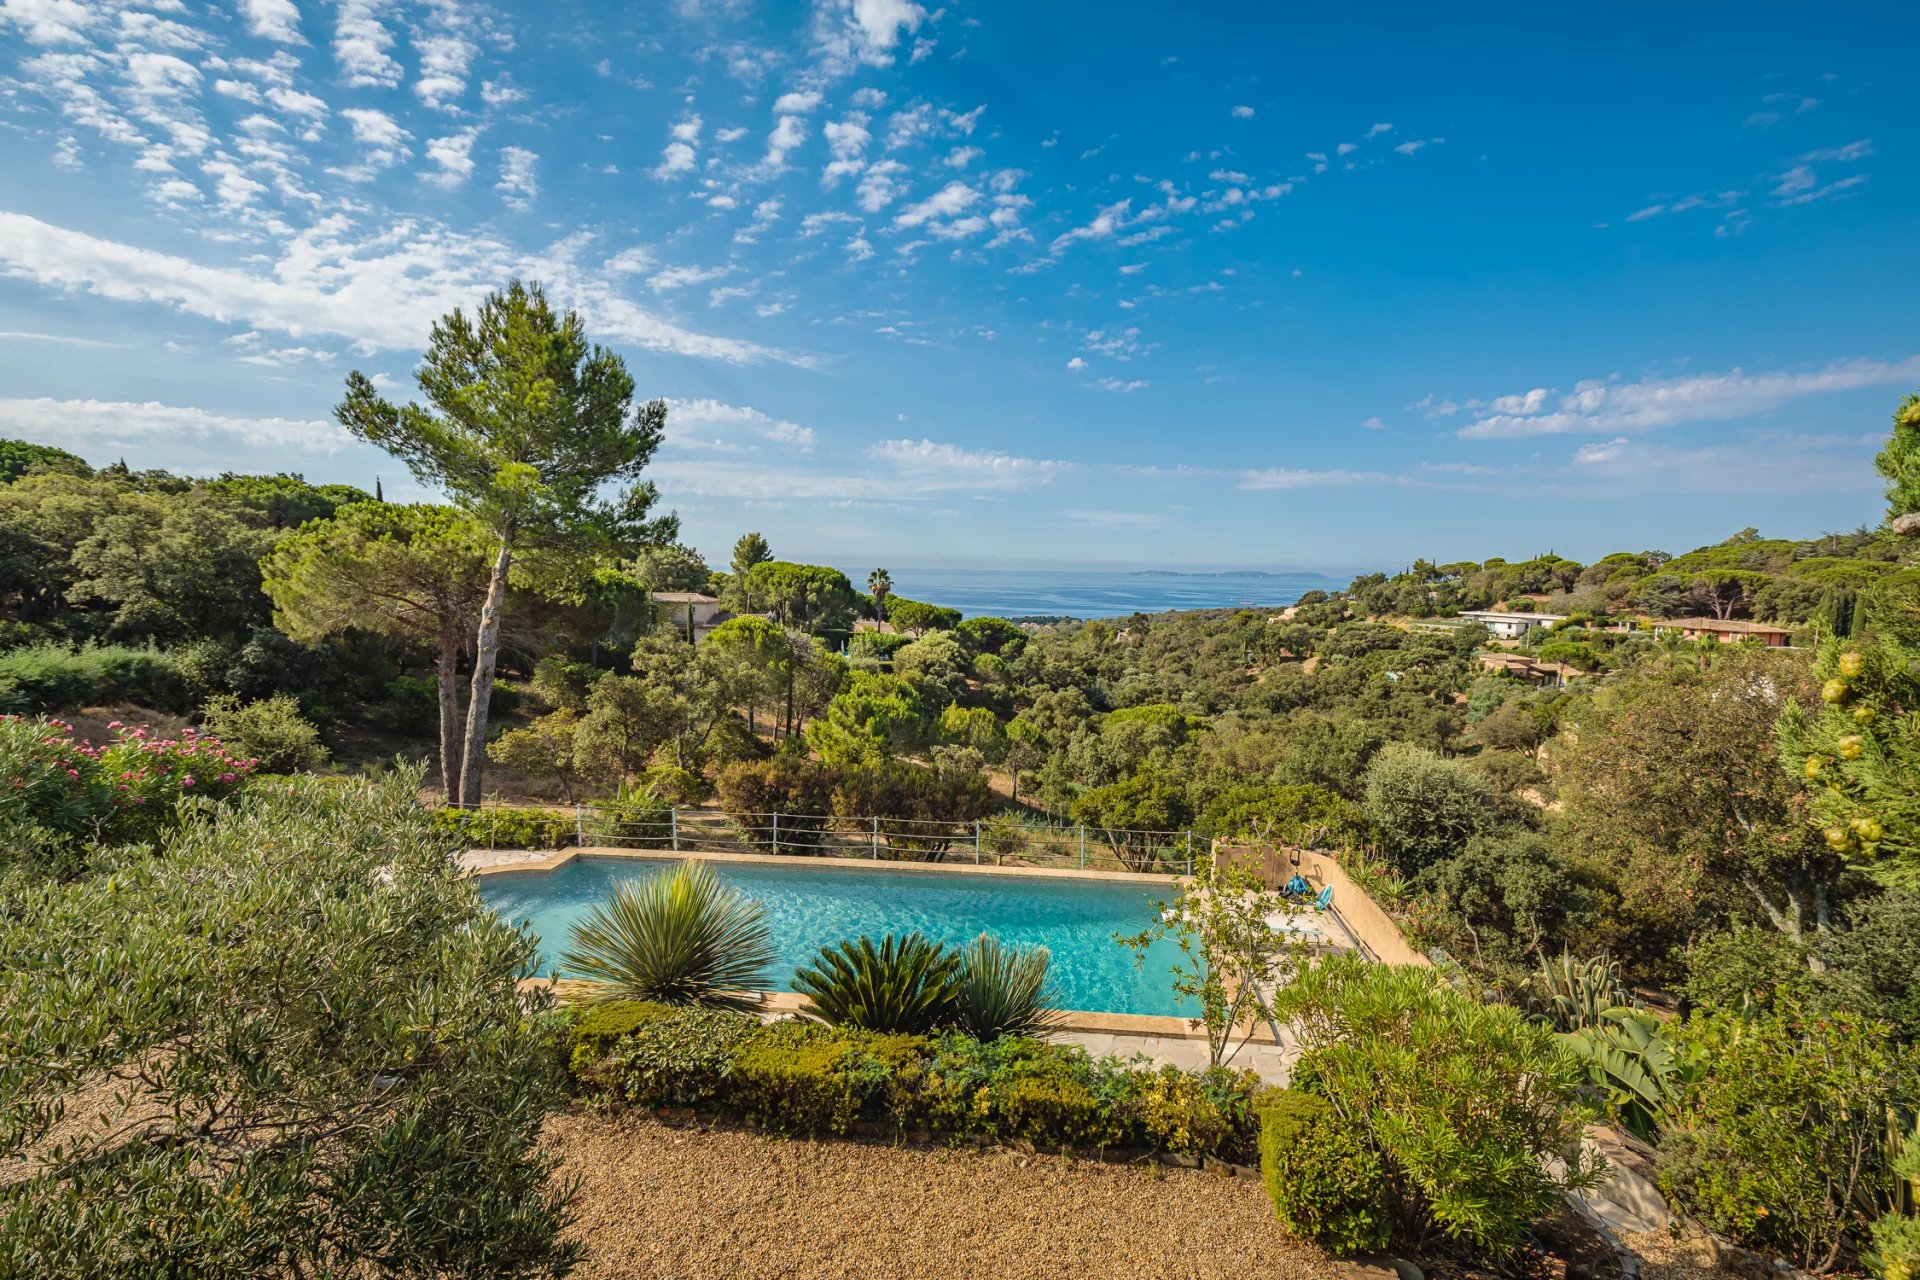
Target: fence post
pixel 976 842
pixel 673 826
pixel 876 837
pixel 776 833
pixel 1083 847
pixel 579 826
pixel 1189 851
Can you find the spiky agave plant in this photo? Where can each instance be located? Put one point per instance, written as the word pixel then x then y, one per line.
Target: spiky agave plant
pixel 906 984
pixel 679 937
pixel 1570 994
pixel 1003 990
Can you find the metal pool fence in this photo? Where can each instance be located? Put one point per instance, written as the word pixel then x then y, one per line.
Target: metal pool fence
pixel 985 842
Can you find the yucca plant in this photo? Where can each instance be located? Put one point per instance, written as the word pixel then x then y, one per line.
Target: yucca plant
pixel 1003 990
pixel 679 937
pixel 906 984
pixel 1575 994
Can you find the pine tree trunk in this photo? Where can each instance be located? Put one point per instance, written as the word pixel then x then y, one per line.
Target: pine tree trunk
pixel 447 673
pixel 486 652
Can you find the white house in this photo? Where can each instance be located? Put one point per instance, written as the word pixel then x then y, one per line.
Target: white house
pixel 1511 626
pixel 683 609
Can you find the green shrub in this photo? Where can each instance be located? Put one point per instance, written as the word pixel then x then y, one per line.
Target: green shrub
pixel 634 818
pixel 1466 1104
pixel 1053 1111
pixel 412 706
pixel 796 1078
pixel 1325 1180
pixel 906 984
pixel 680 1058
pixel 1780 1131
pixel 681 937
pixel 52 677
pixel 506 827
pixel 595 1028
pixel 270 731
pixel 1895 1252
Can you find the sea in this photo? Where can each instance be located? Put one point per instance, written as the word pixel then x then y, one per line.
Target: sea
pixel 1096 593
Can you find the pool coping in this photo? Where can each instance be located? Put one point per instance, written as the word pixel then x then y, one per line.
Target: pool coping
pixel 565 990
pixel 561 858
pixel 788 1002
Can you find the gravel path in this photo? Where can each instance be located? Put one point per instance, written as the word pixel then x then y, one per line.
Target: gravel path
pixel 667 1202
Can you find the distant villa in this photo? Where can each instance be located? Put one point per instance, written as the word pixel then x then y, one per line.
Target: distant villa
pixel 1511 626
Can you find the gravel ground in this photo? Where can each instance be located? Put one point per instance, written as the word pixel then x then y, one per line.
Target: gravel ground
pixel 657 1201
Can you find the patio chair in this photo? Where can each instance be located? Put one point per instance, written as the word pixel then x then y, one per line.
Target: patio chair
pixel 1325 899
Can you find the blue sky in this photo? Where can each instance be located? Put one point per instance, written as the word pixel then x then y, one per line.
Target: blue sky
pixel 992 283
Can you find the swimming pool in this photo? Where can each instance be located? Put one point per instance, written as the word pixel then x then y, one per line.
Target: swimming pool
pixel 811 906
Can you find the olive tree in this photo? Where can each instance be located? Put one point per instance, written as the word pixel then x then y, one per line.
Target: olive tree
pixel 526 423
pixel 289 1044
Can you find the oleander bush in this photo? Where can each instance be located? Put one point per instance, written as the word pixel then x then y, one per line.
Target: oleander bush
pixel 805 1077
pixel 64 793
pixel 508 827
pixel 1325 1181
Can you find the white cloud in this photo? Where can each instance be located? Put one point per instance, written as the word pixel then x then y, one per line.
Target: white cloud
pixel 1303 478
pixel 730 135
pixel 1754 464
pixel 453 155
pixel 788 133
pixel 677 159
pixel 1104 224
pixel 105 423
pixel 1600 407
pixel 1076 364
pixel 276 20
pixel 879 185
pixel 943 465
pixel 798 102
pixel 518 184
pixel 847 141
pixel 951 199
pixel 1374 424
pixel 1080 515
pixel 680 277
pixel 725 420
pixel 51 21
pixel 445 56
pixel 380 292
pixel 360 44
pixel 1125 386
pixel 1243 113
pixel 383 140
pixel 1379 129
pixel 961 157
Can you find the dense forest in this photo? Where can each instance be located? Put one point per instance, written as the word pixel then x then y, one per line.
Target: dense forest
pixel 1691 826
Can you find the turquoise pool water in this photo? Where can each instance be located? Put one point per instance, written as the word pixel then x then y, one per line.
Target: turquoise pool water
pixel 811 906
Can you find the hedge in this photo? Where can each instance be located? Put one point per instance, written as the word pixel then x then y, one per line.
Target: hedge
pixel 801 1077
pixel 501 827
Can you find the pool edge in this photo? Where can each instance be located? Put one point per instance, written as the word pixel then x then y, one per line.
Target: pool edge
pixel 601 853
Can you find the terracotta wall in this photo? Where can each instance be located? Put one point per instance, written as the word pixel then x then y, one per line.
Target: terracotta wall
pixel 1378 935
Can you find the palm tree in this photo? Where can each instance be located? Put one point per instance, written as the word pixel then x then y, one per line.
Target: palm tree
pixel 1003 990
pixel 679 937
pixel 904 985
pixel 880 586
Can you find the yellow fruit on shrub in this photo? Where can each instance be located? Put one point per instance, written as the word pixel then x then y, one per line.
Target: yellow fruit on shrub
pixel 1835 690
pixel 1864 715
pixel 1815 766
pixel 1851 746
pixel 1839 838
pixel 1852 663
pixel 1868 829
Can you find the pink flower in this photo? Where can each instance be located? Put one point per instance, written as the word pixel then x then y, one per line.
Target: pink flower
pixel 113 724
pixel 187 781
